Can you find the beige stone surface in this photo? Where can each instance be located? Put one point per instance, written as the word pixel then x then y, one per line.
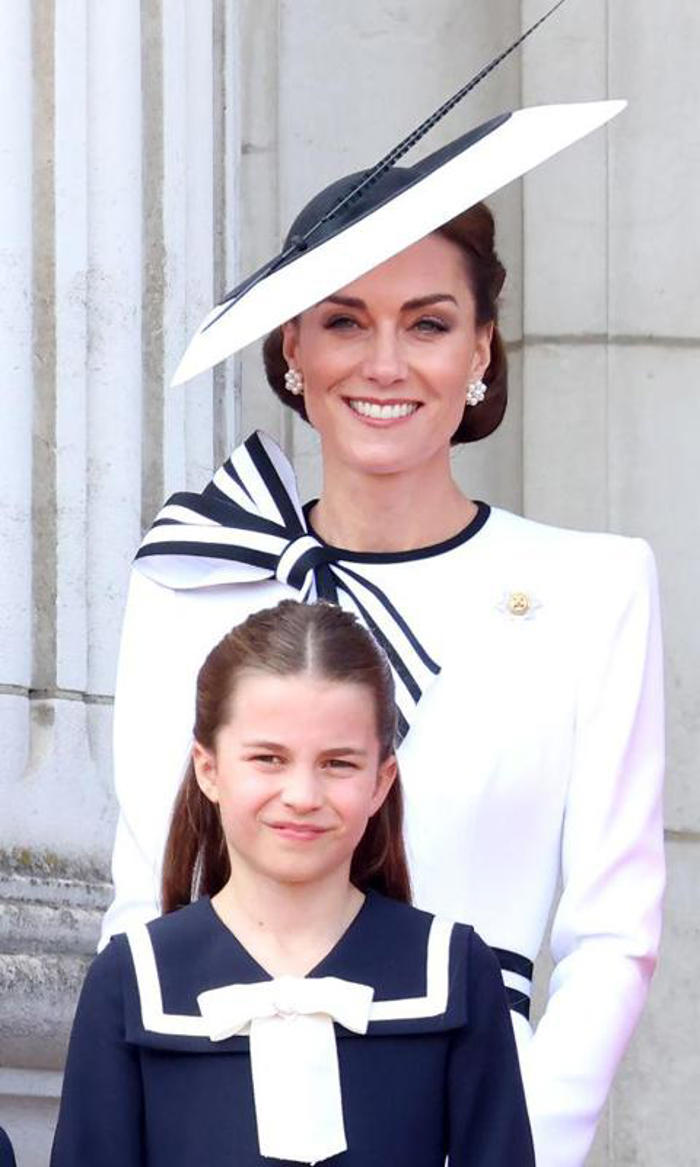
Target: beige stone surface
pixel 652 436
pixel 655 169
pixel 654 1106
pixel 30 1122
pixel 565 434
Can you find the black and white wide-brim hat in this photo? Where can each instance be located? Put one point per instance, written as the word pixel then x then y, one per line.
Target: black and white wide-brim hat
pixel 364 219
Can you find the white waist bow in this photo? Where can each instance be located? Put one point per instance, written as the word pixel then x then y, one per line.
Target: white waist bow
pixel 293 1055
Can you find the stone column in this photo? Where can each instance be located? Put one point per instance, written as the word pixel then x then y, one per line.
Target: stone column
pixel 611 417
pixel 119 139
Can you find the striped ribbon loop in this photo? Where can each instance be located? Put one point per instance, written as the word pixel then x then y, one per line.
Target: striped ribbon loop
pixel 248 525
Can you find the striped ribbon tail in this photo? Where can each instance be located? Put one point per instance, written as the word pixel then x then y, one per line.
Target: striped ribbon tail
pixel 414 670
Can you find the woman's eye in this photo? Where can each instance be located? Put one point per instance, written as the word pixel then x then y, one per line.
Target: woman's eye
pixel 267 759
pixel 341 323
pixel 431 324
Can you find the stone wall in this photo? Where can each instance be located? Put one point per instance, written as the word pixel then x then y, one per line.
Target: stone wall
pixel 119 156
pixel 153 150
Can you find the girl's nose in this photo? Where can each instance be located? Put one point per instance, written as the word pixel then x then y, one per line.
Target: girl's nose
pixel 302 790
pixel 384 361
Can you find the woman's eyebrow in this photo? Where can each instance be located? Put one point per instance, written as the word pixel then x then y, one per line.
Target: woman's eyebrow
pixel 424 301
pixel 417 302
pixel 345 301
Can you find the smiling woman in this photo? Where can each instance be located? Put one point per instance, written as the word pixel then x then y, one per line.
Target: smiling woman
pixel 526 659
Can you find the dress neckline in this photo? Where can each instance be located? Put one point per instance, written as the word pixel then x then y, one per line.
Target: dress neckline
pixel 483 511
pixel 318 968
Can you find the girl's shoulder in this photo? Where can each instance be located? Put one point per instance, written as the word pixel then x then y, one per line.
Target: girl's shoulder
pixel 419 967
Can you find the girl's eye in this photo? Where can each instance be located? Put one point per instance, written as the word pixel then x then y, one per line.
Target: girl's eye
pixel 267 759
pixel 431 324
pixel 339 764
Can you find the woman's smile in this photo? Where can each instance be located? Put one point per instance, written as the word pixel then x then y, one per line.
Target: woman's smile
pixel 376 411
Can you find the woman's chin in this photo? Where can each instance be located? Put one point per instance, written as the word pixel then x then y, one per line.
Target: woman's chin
pixel 382 451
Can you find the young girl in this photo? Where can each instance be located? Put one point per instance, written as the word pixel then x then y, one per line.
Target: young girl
pixel 294 1007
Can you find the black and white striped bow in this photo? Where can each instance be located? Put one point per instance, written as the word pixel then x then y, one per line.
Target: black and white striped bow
pixel 248 525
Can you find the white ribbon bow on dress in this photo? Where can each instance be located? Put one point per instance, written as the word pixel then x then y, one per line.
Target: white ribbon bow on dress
pixel 293 1056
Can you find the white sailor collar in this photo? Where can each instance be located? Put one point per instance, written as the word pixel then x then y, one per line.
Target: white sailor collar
pixel 411 960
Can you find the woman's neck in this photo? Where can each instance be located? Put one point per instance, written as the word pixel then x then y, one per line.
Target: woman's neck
pixel 390 512
pixel 287 928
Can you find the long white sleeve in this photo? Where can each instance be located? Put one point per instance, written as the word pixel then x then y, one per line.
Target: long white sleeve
pixel 606 929
pixel 165 638
pixel 153 715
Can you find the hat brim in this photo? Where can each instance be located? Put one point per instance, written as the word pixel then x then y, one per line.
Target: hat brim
pixel 512 148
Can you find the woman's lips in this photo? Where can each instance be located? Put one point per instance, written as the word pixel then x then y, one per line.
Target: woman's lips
pixel 382 411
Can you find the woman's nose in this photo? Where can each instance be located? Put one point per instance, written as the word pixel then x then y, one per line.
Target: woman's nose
pixel 302 790
pixel 384 361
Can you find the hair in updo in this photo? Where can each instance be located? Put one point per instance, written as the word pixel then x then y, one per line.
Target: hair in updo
pixel 473 232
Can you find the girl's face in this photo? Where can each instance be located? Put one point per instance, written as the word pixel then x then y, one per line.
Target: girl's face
pixel 386 361
pixel 296 774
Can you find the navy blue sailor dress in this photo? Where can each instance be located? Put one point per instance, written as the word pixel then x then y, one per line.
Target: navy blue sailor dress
pixel 434 1075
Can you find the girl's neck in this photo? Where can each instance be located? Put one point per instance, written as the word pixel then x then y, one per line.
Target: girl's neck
pixel 390 512
pixel 288 928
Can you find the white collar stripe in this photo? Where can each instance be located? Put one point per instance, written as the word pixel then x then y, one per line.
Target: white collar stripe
pixel 437 979
pixel 156 1020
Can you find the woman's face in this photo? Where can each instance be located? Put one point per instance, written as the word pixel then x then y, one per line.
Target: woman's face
pixel 387 360
pixel 296 774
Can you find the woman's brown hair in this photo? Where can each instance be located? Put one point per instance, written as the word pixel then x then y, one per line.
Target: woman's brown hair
pixel 474 233
pixel 290 639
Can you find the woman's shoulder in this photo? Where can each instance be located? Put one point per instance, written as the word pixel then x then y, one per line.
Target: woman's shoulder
pixel 549 537
pixel 595 560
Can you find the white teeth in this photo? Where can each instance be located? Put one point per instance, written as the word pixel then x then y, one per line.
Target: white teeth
pixel 383 412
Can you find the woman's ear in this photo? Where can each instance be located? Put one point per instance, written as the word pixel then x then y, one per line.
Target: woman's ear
pixel 290 342
pixel 205 771
pixel 386 776
pixel 482 350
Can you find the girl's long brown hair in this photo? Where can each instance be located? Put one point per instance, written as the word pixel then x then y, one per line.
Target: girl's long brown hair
pixel 292 638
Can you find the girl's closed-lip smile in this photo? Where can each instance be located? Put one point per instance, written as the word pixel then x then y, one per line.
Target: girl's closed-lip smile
pixel 298 830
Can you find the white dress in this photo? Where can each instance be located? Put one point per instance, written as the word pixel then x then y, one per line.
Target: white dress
pixel 534 761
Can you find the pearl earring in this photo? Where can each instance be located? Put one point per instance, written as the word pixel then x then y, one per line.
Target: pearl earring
pixel 294 382
pixel 476 391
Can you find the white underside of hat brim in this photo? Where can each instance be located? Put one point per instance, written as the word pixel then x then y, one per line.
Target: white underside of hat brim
pixel 526 139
